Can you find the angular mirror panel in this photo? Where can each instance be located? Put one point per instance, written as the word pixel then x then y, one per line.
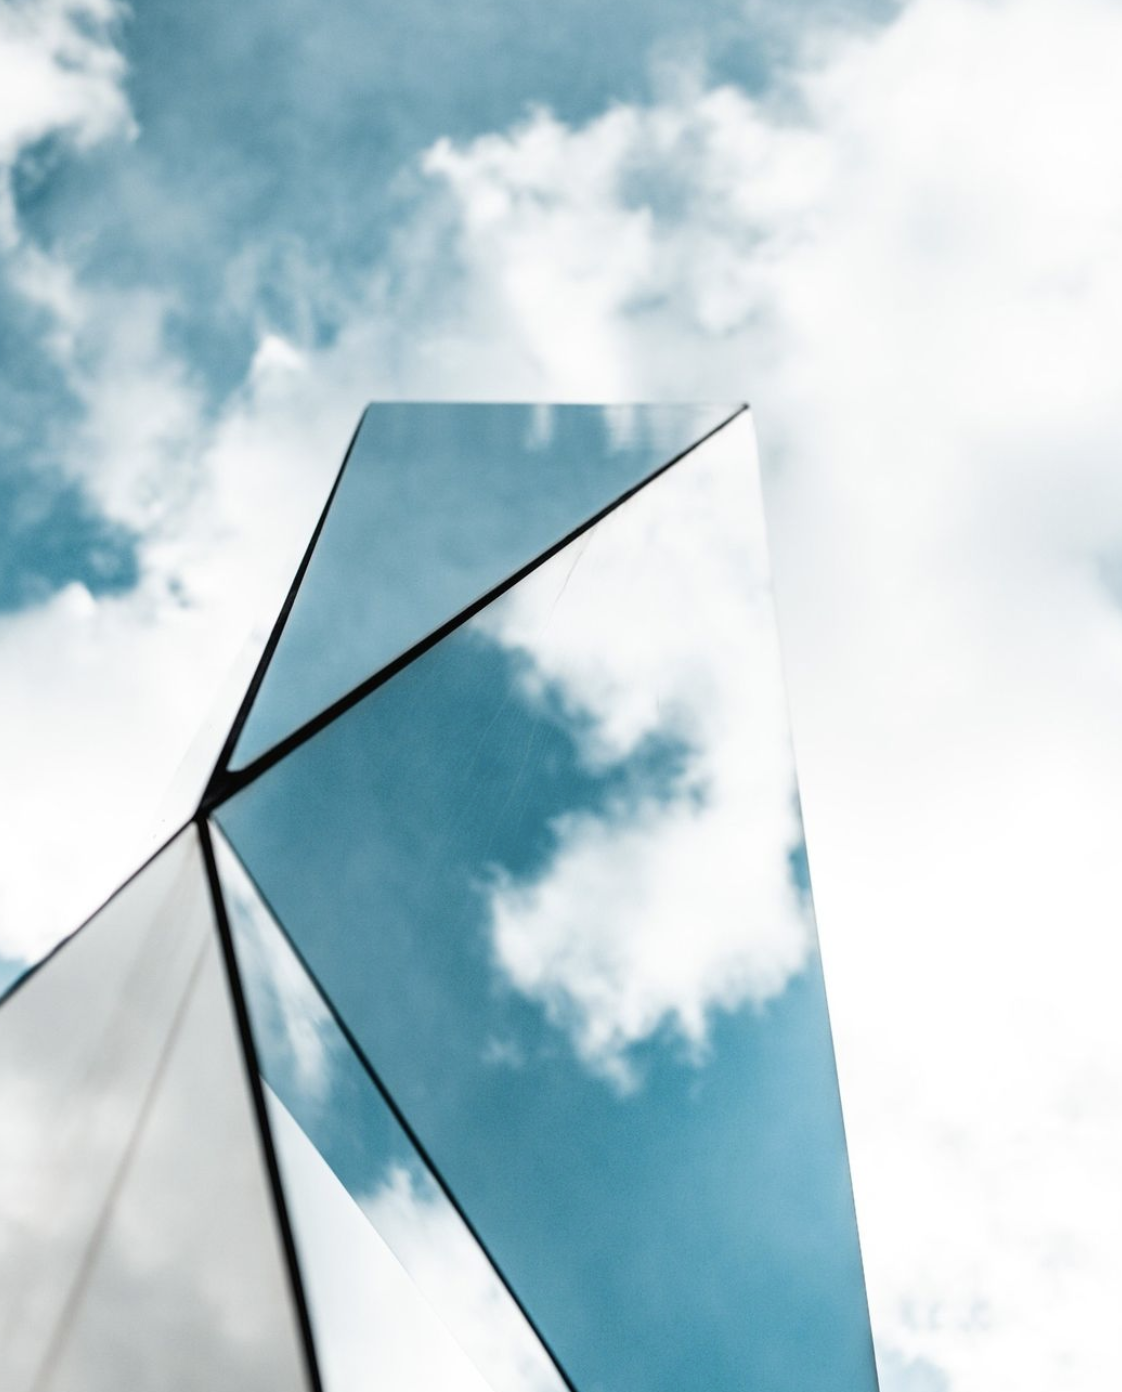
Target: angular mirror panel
pixel 138 1242
pixel 373 1327
pixel 395 1280
pixel 552 876
pixel 437 504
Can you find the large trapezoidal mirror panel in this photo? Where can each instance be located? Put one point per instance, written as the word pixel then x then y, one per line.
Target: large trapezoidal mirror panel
pixel 436 505
pixel 138 1241
pixel 552 876
pixel 401 1295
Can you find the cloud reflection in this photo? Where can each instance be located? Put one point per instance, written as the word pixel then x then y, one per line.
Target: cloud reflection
pixel 670 901
pixel 430 1239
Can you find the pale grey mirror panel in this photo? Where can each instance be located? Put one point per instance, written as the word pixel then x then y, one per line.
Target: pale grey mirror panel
pixel 138 1238
pixel 398 1288
pixel 437 504
pixel 373 1326
pixel 552 876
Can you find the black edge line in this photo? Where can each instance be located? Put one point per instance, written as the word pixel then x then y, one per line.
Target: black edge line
pixel 265 1134
pixel 274 638
pixel 35 967
pixel 224 788
pixel 398 1115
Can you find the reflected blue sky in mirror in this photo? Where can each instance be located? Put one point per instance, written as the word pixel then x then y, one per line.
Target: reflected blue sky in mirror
pixel 322 1088
pixel 552 876
pixel 438 503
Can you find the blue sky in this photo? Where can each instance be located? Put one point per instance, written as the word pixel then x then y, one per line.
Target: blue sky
pixel 894 231
pixel 263 164
pixel 274 158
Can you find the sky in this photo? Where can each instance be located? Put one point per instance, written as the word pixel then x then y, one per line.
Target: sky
pixel 894 230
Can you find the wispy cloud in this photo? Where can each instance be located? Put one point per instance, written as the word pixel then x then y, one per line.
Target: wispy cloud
pixel 62 76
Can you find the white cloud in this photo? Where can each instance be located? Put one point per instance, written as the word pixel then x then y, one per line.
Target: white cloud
pixel 136 449
pixel 61 75
pixel 672 901
pixel 912 266
pixel 102 696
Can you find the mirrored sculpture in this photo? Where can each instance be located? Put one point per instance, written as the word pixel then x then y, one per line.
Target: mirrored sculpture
pixel 488 966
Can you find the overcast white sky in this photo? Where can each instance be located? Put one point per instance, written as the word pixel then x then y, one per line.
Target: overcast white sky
pixel 897 230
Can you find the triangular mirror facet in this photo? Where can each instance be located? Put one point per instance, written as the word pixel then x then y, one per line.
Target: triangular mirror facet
pixel 437 504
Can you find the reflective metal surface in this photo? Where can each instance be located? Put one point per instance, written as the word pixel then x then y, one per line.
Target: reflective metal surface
pixel 552 877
